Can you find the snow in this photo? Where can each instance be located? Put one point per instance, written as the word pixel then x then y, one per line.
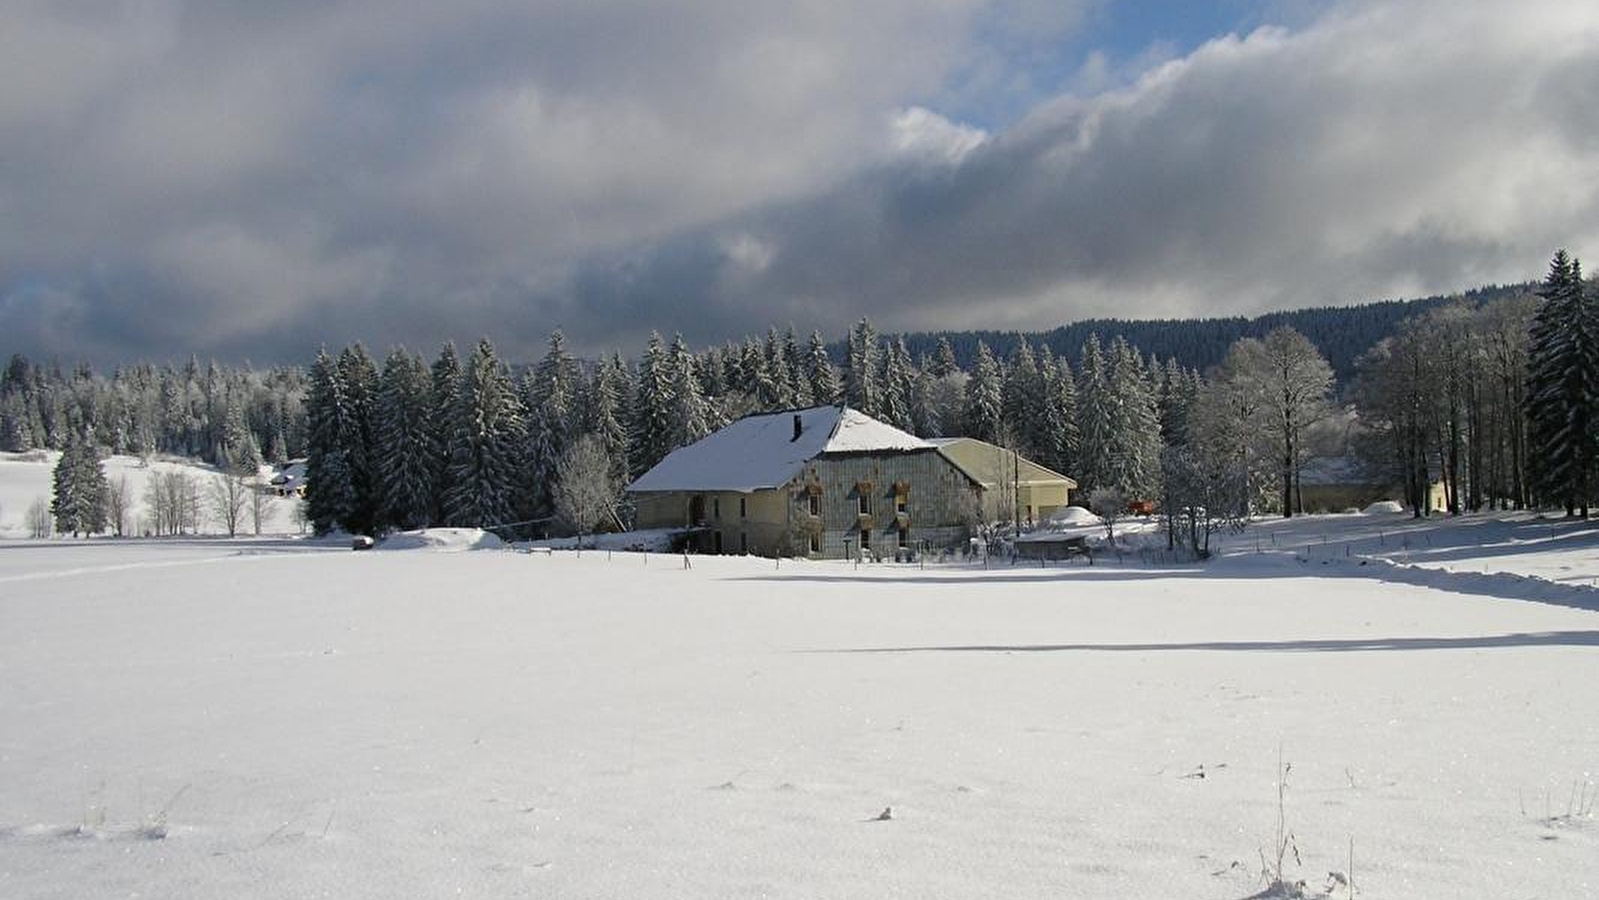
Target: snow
pixel 25 477
pixel 1383 507
pixel 1070 516
pixel 447 540
pixel 270 718
pixel 760 451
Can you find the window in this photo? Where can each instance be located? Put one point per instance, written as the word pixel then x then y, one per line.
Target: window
pixel 716 542
pixel 905 537
pixel 816 542
pixel 865 501
pixel 814 504
pixel 900 503
pixel 866 539
pixel 716 507
pixel 741 508
pixel 743 543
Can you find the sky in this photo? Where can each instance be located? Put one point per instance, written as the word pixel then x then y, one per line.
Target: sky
pixel 250 180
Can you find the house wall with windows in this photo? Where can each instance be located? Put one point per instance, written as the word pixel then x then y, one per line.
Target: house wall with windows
pixel 840 505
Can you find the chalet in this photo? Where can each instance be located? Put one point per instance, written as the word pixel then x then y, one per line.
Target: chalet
pixel 1013 485
pixel 823 482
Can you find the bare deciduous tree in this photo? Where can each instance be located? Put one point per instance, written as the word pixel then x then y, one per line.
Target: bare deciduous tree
pixel 258 504
pixel 118 497
pixel 585 490
pixel 228 497
pixel 39 522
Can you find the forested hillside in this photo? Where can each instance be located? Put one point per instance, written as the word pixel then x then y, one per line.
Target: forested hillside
pixel 1342 333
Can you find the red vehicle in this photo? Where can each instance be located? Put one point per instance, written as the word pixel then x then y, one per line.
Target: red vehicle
pixel 1141 507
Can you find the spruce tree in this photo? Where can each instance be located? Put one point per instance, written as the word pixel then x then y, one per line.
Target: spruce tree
pixel 446 396
pixel 690 418
pixel 1563 388
pixel 405 449
pixel 820 373
pixel 652 408
pixel 984 410
pixel 898 380
pixel 485 457
pixel 330 489
pixel 861 388
pixel 358 374
pixel 549 395
pixel 79 489
pixel 1096 420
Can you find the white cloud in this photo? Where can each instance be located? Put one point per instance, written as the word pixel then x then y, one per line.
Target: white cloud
pixel 922 134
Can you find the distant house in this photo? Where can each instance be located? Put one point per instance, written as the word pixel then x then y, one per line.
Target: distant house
pixel 290 482
pixel 1013 485
pixel 823 482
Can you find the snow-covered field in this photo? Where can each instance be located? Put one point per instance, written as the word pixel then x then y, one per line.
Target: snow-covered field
pixel 25 478
pixel 278 718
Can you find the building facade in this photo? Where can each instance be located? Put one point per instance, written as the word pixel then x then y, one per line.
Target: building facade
pixel 826 482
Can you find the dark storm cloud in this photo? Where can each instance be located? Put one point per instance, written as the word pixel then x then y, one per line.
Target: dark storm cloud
pixel 1383 151
pixel 250 180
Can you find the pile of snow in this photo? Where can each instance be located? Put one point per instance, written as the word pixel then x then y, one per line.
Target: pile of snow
pixel 444 540
pixel 1383 507
pixel 656 540
pixel 1073 516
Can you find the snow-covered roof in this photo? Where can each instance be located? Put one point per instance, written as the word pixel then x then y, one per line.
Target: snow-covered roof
pixel 761 451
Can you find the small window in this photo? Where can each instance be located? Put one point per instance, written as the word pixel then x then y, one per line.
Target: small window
pixel 901 501
pixel 743 543
pixel 814 504
pixel 866 539
pixel 865 503
pixel 741 508
pixel 816 542
pixel 716 507
pixel 905 537
pixel 716 542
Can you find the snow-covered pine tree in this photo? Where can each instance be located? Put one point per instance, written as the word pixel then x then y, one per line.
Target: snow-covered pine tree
pixel 486 452
pixel 607 387
pixel 820 373
pixel 1058 431
pixel 898 384
pixel 925 418
pixel 943 364
pixel 861 388
pixel 794 360
pixel 984 413
pixel 1563 388
pixel 445 376
pixel 330 490
pixel 689 415
pixel 1022 398
pixel 404 452
pixel 652 408
pixel 777 371
pixel 359 375
pixel 1096 420
pixel 79 489
pixel 548 395
pixel 1136 446
pixel 760 382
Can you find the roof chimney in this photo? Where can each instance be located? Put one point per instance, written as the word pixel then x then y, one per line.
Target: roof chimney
pixel 797 429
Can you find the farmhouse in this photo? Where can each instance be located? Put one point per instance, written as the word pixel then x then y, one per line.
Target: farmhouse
pixel 1014 487
pixel 823 482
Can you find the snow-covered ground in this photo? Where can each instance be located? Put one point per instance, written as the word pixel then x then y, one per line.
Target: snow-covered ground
pixel 25 478
pixel 267 718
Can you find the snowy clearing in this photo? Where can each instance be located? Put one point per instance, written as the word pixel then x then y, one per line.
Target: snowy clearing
pixel 288 718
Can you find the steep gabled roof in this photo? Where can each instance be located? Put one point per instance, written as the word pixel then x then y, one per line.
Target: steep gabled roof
pixel 761 451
